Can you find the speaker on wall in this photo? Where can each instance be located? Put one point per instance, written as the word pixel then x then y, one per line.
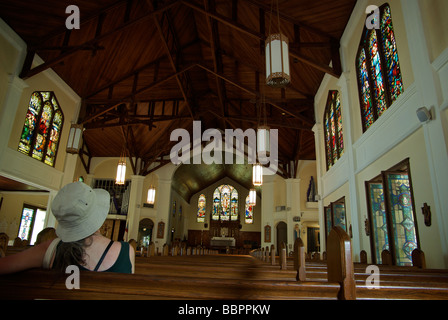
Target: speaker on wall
pixel 423 114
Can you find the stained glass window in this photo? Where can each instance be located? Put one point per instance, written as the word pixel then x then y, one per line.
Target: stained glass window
pixel 339 215
pixel 392 215
pixel 26 223
pixel 378 69
pixel 379 220
pixel 402 214
pixel 201 208
pixel 216 204
pixel 225 203
pixel 393 71
pixel 334 139
pixel 234 205
pixel 249 216
pixel 328 222
pixel 42 128
pixel 31 223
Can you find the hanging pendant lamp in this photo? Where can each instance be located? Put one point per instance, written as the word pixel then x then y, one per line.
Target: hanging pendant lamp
pixel 252 197
pixel 151 195
pixel 263 140
pixel 277 61
pixel 277 56
pixel 257 175
pixel 121 170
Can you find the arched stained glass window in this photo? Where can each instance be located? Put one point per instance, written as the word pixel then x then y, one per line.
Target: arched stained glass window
pixel 225 203
pixel 334 139
pixel 42 129
pixel 249 217
pixel 201 208
pixel 378 69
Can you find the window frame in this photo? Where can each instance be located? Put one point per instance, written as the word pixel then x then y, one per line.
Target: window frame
pixel 364 44
pixel 331 104
pixel 33 139
pixel 331 208
pixel 31 228
pixel 400 168
pixel 220 215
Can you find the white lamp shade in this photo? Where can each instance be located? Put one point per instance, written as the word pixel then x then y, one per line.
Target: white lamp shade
pixel 277 61
pixel 74 138
pixel 252 197
pixel 121 172
pixel 151 195
pixel 263 140
pixel 257 175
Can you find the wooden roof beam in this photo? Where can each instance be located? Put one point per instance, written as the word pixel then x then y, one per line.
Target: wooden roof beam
pixel 27 72
pixel 216 56
pixel 181 79
pixel 257 35
pixel 258 95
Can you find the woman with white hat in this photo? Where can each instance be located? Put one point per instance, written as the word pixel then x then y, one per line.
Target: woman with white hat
pixel 80 212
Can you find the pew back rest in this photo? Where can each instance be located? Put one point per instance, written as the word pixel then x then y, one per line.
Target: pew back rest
pixel 340 264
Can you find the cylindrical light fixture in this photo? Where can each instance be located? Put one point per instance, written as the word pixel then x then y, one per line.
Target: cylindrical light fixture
pixel 257 175
pixel 151 195
pixel 277 61
pixel 263 140
pixel 121 171
pixel 74 138
pixel 252 197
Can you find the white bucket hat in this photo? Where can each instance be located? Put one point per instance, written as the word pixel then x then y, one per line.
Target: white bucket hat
pixel 80 211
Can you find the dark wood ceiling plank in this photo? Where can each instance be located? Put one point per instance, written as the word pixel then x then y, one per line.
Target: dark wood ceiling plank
pixel 259 96
pixel 27 73
pixel 262 37
pixel 181 78
pixel 217 60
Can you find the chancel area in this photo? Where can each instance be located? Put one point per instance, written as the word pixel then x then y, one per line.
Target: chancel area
pixel 246 130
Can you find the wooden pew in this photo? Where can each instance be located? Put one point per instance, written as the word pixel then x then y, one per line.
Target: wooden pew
pixel 340 264
pixel 241 277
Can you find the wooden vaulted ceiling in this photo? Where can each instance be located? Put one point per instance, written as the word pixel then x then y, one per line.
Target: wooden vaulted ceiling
pixel 146 67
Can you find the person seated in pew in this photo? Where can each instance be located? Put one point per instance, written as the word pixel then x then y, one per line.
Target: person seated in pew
pixel 80 212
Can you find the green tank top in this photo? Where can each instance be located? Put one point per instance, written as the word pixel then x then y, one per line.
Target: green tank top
pixel 122 264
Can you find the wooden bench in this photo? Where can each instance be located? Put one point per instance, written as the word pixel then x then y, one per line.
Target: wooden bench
pixel 230 278
pixel 395 282
pixel 233 277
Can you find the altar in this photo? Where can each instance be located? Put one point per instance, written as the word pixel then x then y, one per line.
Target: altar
pixel 222 242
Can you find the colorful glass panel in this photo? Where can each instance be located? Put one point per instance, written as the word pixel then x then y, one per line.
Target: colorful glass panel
pixel 327 143
pixel 338 113
pixel 402 214
pixel 225 203
pixel 328 222
pixel 201 208
pixel 377 74
pixel 379 220
pixel 42 129
pixel 249 216
pixel 54 139
pixel 234 205
pixel 391 55
pixel 334 143
pixel 339 215
pixel 366 97
pixel 216 204
pixel 26 139
pixel 26 223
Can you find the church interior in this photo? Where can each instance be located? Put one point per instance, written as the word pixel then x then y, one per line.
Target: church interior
pixel 349 100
